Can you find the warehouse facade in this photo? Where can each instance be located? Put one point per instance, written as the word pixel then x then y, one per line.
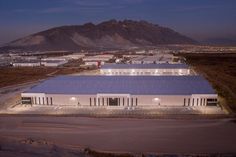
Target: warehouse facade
pixel 120 92
pixel 145 69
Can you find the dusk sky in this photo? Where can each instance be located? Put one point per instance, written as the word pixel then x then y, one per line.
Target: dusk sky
pixel 199 19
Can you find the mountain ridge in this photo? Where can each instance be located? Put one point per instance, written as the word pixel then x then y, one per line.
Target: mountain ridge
pixel 107 34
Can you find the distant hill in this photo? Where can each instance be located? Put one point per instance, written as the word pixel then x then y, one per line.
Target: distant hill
pixel 109 34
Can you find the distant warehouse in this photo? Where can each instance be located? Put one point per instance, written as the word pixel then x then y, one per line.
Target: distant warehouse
pixel 155 59
pixel 122 92
pixel 37 63
pixel 30 63
pixel 53 63
pixel 97 60
pixel 145 69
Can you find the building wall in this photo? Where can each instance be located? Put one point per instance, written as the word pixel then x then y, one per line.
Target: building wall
pixel 26 64
pixel 149 62
pixel 53 64
pixel 136 62
pixel 71 100
pixel 90 63
pixel 145 71
pixel 125 100
pixel 99 58
pixel 161 100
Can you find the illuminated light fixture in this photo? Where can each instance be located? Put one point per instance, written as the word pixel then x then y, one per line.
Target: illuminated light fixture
pixel 133 70
pixel 72 98
pixel 156 99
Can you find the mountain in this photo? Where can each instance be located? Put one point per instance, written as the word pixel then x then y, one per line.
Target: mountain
pixel 109 34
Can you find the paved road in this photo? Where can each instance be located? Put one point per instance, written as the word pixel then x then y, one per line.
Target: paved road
pixel 132 135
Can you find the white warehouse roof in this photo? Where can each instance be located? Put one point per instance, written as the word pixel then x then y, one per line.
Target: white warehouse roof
pixel 138 85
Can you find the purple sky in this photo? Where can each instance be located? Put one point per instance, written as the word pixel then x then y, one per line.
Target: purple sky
pixel 199 19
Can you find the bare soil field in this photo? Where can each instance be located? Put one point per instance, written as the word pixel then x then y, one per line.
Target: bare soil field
pixel 220 70
pixel 12 75
pixel 136 136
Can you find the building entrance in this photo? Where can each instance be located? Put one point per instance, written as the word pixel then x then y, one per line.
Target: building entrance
pixel 113 102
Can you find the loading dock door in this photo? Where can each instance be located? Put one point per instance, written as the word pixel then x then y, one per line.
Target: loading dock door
pixel 113 101
pixel 26 100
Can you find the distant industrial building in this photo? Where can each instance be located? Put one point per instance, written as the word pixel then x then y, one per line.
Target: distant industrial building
pixel 97 59
pixel 145 69
pixel 4 63
pixel 29 58
pixel 93 63
pixel 120 92
pixel 140 52
pixel 137 60
pixel 60 58
pixel 37 63
pixel 74 56
pixel 64 58
pixel 27 63
pixel 53 63
pixel 155 59
pixel 4 60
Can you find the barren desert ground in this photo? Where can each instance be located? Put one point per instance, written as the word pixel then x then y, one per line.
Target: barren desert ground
pixel 127 135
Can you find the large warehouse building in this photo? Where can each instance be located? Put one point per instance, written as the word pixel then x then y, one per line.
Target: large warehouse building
pixel 145 69
pixel 122 92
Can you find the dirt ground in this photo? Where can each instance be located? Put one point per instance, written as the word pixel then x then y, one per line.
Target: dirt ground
pixel 220 71
pixel 17 75
pixel 127 135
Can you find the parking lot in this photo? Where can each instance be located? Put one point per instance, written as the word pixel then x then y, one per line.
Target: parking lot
pixel 135 112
